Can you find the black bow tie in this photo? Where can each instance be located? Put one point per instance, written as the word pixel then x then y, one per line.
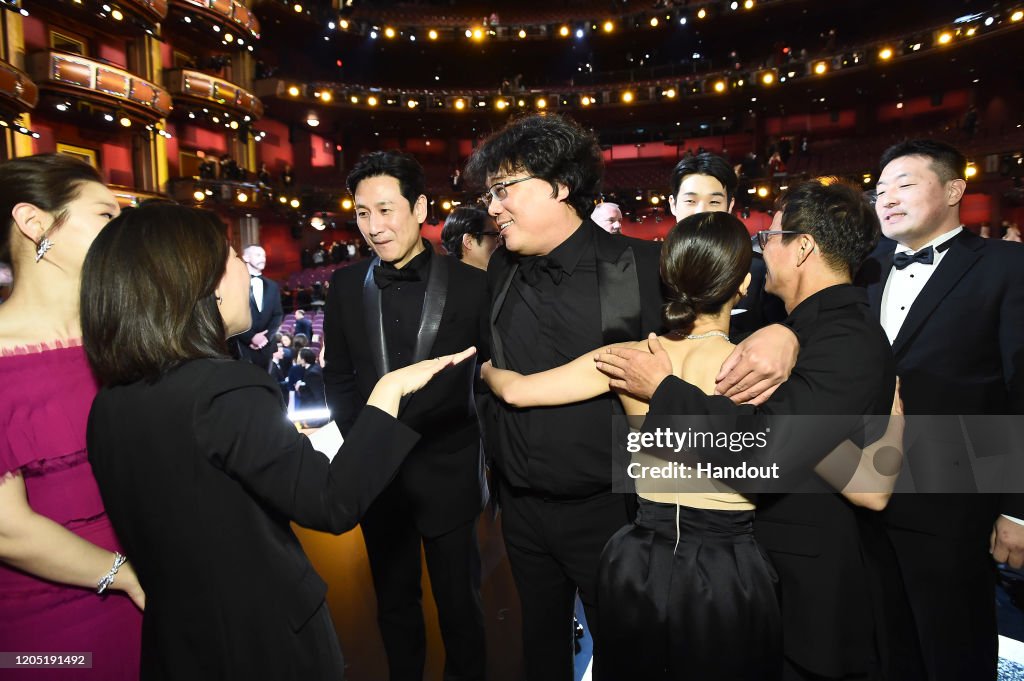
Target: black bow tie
pixel 532 270
pixel 385 276
pixel 926 256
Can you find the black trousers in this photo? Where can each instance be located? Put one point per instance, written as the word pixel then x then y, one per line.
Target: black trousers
pixel 453 563
pixel 554 546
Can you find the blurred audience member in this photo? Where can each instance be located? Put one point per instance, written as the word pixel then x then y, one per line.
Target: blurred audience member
pixel 470 235
pixel 608 217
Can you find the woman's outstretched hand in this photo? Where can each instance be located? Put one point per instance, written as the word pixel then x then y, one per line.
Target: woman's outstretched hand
pixel 393 386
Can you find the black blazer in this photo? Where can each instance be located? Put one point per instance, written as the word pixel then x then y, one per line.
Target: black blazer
pixel 631 303
pixel 815 538
pixel 311 394
pixel 201 475
pixel 268 320
pixel 444 475
pixel 960 351
pixel 305 327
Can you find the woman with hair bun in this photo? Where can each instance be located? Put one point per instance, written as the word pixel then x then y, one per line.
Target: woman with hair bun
pixel 65 586
pixel 687 580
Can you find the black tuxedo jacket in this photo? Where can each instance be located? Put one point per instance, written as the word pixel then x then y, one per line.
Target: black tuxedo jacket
pixel 631 303
pixel 205 516
pixel 268 320
pixel 444 475
pixel 959 352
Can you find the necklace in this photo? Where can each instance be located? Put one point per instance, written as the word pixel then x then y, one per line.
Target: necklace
pixel 709 334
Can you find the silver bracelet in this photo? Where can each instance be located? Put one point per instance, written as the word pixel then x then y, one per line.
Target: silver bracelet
pixel 108 578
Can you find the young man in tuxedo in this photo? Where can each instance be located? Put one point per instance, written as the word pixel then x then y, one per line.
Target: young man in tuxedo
pixel 561 286
pixel 265 306
pixel 952 305
pixel 404 305
pixel 704 183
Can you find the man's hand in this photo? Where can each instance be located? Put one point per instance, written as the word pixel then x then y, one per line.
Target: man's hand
pixel 1007 542
pixel 758 365
pixel 259 340
pixel 636 372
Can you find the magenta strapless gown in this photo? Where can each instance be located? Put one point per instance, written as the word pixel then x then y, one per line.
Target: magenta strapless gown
pixel 45 398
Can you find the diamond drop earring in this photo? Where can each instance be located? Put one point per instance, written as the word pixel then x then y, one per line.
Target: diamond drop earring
pixel 44 245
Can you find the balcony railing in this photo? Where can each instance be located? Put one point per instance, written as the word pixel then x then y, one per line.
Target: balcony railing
pixel 210 90
pixel 153 10
pixel 88 79
pixel 17 88
pixel 228 13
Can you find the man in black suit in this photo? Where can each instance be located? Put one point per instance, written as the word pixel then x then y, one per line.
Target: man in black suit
pixel 703 183
pixel 265 306
pixel 816 539
pixel 303 325
pixel 561 286
pixel 404 305
pixel 952 305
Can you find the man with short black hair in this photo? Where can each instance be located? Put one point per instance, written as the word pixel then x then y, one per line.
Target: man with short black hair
pixel 404 305
pixel 952 305
pixel 704 183
pixel 470 235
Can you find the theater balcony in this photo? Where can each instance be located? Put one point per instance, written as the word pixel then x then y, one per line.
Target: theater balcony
pixel 17 91
pixel 228 16
pixel 201 96
pixel 130 197
pixel 83 79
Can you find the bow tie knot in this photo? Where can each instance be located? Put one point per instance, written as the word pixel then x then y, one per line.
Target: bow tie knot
pixel 533 269
pixel 386 276
pixel 926 256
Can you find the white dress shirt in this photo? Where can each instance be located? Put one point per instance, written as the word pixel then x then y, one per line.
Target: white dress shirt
pixel 257 291
pixel 903 286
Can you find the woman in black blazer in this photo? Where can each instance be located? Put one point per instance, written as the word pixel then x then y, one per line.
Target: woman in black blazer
pixel 201 472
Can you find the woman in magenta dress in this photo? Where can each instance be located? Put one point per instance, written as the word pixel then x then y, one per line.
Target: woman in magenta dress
pixel 57 547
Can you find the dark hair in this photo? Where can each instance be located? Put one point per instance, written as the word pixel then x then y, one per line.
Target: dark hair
pixel 307 355
pixel 844 225
pixel 148 292
pixel 47 181
pixel 550 147
pixel 703 262
pixel 947 162
pixel 706 164
pixel 299 341
pixel 463 220
pixel 397 164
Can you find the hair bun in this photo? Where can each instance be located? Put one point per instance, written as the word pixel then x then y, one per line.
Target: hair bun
pixel 680 312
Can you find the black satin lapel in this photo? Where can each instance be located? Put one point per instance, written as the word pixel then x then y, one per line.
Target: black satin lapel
pixel 433 308
pixel 497 349
pixel 374 328
pixel 952 268
pixel 876 285
pixel 619 290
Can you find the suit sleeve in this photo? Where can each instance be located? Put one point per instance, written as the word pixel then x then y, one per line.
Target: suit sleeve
pixel 1011 335
pixel 339 369
pixel 241 427
pixel 827 383
pixel 276 311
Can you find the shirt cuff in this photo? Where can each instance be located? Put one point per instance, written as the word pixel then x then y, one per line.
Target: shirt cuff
pixel 1016 520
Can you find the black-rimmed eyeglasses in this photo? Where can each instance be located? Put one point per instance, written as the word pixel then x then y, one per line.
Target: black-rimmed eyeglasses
pixel 760 239
pixel 499 190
